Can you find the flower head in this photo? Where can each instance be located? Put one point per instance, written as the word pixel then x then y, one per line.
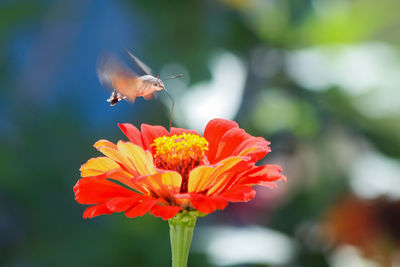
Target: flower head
pixel 163 172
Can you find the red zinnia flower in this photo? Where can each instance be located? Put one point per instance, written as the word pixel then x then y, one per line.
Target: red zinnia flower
pixel 165 172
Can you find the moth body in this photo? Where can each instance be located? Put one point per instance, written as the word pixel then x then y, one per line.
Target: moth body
pixel 149 85
pixel 126 84
pixel 144 86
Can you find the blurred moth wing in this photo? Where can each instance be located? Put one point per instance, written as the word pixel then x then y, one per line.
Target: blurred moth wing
pixel 142 67
pixel 115 75
pixel 148 96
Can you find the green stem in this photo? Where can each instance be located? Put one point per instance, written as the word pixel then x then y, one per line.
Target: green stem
pixel 181 229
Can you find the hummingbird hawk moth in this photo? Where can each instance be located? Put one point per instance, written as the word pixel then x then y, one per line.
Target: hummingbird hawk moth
pixel 126 84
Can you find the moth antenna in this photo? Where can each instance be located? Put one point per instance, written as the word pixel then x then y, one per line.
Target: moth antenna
pixel 173 77
pixel 172 108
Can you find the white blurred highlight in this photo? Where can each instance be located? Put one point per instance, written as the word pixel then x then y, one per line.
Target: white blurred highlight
pixel 374 175
pixel 349 256
pixel 244 245
pixel 369 71
pixel 218 98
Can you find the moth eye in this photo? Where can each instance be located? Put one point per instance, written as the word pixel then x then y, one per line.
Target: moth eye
pixel 154 84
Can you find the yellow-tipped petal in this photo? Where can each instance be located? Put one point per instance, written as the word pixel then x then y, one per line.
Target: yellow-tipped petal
pixel 162 184
pixel 171 179
pixel 198 178
pixel 140 160
pixel 105 143
pixel 248 151
pixel 203 178
pixel 98 166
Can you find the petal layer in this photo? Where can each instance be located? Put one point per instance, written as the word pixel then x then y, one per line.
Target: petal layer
pixel 91 190
pixel 206 204
pixel 226 139
pixel 96 210
pixel 165 212
pixel 213 132
pixel 141 208
pixel 98 166
pixel 149 133
pixel 133 134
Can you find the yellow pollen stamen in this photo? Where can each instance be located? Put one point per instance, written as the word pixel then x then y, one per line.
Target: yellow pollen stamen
pixel 180 147
pixel 180 153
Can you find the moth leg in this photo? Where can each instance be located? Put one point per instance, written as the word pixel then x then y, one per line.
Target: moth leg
pixel 115 98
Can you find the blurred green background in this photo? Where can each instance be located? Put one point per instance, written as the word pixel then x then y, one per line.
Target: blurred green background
pixel 318 78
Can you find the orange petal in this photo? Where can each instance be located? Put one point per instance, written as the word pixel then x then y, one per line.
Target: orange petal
pixel 164 185
pixel 204 178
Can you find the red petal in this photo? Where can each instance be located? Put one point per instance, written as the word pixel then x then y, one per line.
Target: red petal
pixel 206 204
pixel 91 190
pixel 151 132
pixel 141 208
pixel 262 174
pixel 213 132
pixel 119 204
pixel 229 142
pixel 132 133
pixel 267 184
pixel 179 131
pixel 239 193
pixel 165 212
pixel 96 210
pixel 259 153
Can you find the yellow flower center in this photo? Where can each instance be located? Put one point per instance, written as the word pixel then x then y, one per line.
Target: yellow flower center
pixel 180 153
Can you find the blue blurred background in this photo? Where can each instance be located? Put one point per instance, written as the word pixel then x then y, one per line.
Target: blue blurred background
pixel 318 78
